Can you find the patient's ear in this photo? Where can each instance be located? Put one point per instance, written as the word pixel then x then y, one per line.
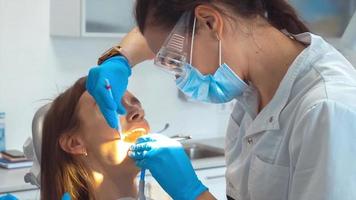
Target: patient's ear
pixel 72 143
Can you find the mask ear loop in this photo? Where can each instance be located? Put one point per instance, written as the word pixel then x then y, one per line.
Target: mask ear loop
pixel 192 42
pixel 217 36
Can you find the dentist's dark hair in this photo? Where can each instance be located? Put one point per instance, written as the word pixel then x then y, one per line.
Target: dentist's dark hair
pixel 166 13
pixel 60 171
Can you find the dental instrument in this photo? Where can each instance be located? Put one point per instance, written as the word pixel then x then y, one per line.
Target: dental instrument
pixel 181 138
pixel 108 87
pixel 141 186
pixel 166 126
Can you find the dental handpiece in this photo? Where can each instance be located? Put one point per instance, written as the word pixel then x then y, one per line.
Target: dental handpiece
pixel 141 186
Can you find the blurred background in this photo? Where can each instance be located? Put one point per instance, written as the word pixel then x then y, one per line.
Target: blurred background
pixel 329 18
pixel 46 45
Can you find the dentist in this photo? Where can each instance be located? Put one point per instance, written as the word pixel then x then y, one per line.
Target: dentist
pixel 292 133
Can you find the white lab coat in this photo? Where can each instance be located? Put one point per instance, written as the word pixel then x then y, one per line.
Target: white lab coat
pixel 302 145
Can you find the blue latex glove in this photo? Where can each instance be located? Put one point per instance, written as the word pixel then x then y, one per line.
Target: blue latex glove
pixel 169 165
pixel 117 71
pixel 8 197
pixel 66 196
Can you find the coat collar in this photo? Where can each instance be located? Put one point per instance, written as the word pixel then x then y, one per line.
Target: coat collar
pixel 268 118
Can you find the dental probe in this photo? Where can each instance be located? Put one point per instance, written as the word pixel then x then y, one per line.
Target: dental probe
pixel 108 87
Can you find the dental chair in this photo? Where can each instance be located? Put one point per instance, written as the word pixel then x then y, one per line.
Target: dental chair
pixel 32 147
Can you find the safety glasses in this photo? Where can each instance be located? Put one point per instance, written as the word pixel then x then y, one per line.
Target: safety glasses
pixel 177 48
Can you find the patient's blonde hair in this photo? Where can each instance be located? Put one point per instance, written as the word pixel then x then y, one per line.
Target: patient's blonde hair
pixel 60 171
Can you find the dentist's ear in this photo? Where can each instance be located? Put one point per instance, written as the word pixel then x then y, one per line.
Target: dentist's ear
pixel 211 19
pixel 72 144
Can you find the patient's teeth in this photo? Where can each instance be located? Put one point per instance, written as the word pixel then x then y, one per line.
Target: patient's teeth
pixel 131 136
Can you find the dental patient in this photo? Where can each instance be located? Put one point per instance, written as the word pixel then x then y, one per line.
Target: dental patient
pixel 82 155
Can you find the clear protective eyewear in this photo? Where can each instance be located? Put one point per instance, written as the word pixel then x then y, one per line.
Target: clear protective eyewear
pixel 173 54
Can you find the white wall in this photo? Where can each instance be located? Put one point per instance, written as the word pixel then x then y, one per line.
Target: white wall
pixel 34 67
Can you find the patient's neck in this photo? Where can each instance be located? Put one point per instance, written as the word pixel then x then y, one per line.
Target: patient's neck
pixel 112 183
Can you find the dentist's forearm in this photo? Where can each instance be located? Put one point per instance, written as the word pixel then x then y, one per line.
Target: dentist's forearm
pixel 135 47
pixel 206 196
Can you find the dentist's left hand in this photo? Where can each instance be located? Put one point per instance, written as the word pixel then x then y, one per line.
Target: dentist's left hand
pixel 169 165
pixel 117 71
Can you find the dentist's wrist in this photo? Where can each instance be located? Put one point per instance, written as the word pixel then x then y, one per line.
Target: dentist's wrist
pixel 206 196
pixel 112 52
pixel 199 189
pixel 133 47
pixel 119 61
pixel 136 47
pixel 192 191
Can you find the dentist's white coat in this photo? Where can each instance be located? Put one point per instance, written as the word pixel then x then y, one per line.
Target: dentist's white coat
pixel 302 145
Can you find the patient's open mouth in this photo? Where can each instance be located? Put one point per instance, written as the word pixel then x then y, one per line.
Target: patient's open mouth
pixel 132 135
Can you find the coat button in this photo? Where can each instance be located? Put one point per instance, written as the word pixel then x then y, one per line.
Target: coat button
pixel 271 119
pixel 249 140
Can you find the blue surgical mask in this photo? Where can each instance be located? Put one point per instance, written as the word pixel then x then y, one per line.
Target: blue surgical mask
pixel 221 87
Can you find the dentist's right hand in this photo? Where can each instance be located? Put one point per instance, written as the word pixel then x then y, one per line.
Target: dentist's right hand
pixel 169 165
pixel 116 71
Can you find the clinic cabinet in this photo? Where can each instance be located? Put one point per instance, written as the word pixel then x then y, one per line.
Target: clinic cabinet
pixel 91 18
pixel 114 18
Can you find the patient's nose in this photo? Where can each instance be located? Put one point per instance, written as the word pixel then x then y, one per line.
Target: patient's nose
pixel 135 115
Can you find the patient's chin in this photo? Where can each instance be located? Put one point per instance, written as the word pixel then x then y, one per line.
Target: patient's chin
pixel 130 164
pixel 115 152
pixel 124 164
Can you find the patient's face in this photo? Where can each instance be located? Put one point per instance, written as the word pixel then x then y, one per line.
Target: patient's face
pixel 102 141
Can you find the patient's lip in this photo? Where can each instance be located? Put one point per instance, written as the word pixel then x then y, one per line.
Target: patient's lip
pixel 136 125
